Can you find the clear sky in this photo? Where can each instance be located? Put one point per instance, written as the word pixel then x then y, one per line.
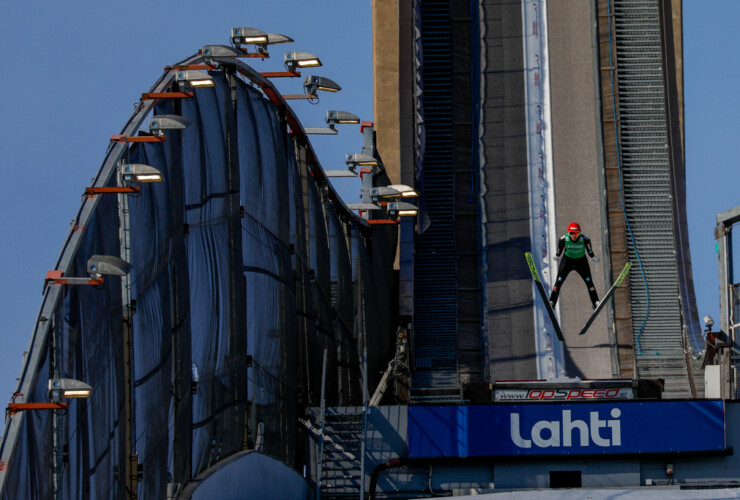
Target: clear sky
pixel 75 69
pixel 712 80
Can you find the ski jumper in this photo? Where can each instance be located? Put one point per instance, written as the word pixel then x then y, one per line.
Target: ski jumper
pixel 574 260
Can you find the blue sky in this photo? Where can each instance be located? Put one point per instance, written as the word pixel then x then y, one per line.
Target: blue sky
pixel 711 78
pixel 75 69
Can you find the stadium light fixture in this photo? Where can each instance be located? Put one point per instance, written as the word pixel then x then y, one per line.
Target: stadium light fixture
pixel 354 160
pixel 402 209
pixel 312 84
pixel 332 118
pixel 138 172
pixel 99 265
pixel 248 36
pixel 295 60
pixel 68 388
pixel 258 38
pixel 194 78
pixel 341 117
pixel 210 51
pixel 159 123
pixel 393 191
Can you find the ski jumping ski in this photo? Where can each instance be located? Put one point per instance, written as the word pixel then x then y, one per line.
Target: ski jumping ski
pixel 543 294
pixel 608 295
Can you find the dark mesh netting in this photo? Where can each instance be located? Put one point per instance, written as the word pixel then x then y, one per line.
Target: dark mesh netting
pixel 244 271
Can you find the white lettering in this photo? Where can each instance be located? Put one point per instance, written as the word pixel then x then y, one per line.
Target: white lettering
pixel 547 433
pixel 615 426
pixel 515 436
pixel 552 426
pixel 596 424
pixel 568 427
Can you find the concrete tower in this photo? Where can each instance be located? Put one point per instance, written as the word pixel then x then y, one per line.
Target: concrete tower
pixel 513 120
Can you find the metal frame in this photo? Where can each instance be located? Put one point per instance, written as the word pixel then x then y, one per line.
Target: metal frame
pixel 728 323
pixel 117 148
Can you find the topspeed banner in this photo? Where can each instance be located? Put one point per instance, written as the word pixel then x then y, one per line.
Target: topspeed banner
pixel 566 429
pixel 570 394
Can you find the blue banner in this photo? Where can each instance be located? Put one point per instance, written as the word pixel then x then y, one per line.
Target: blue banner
pixel 566 429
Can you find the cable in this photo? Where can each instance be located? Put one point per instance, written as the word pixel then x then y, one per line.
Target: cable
pixel 621 185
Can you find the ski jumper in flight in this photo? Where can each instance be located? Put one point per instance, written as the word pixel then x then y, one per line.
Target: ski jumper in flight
pixel 571 255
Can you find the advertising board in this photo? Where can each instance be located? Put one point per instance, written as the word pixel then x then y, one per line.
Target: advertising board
pixel 570 394
pixel 566 429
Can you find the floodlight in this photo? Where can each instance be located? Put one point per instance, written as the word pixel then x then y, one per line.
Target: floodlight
pixel 68 388
pixel 708 321
pixel 402 209
pixel 315 83
pixel 194 78
pixel 354 160
pixel 138 172
pixel 210 51
pixel 98 265
pixel 248 36
pixel 341 117
pixel 159 123
pixel 393 191
pixel 295 60
pixel 332 118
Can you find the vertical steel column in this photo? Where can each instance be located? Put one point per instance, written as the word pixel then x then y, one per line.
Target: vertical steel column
pixel 723 235
pixel 181 341
pixel 57 433
pixel 237 284
pixel 320 465
pixel 131 478
pixel 364 424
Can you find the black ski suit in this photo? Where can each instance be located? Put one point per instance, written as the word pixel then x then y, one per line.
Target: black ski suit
pixel 574 259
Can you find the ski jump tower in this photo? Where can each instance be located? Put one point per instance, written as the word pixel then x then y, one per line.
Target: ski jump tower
pixel 513 120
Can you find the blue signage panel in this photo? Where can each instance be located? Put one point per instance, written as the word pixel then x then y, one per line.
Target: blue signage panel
pixel 566 429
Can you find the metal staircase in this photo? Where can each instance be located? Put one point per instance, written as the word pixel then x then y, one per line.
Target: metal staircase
pixel 647 184
pixel 340 461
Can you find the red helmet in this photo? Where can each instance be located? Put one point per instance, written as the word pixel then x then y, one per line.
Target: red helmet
pixel 573 227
